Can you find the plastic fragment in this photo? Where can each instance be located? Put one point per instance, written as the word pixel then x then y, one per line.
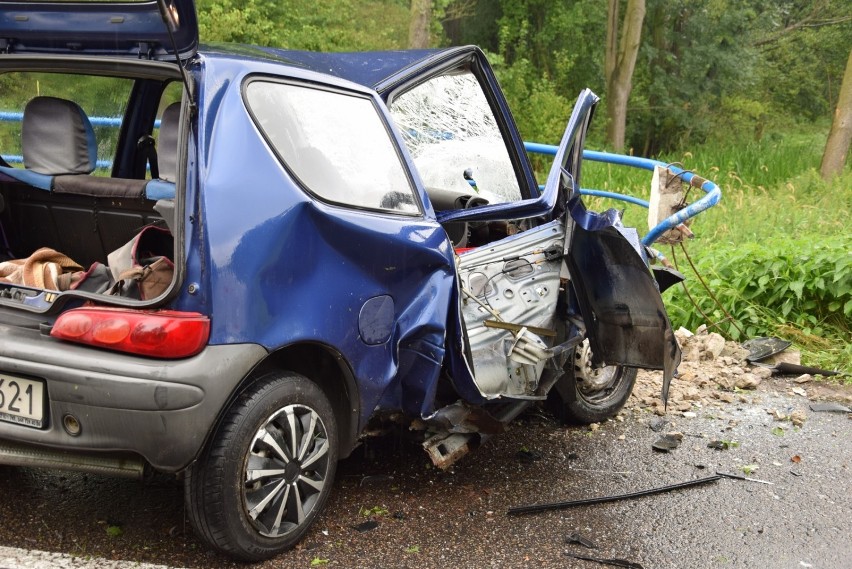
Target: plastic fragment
pixel 578 539
pixel 830 407
pixel 667 442
pixel 527 456
pixel 363 527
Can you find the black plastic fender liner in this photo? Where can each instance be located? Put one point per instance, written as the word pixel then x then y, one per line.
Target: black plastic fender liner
pixel 625 318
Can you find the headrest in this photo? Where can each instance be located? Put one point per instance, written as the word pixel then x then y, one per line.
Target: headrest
pixel 167 146
pixel 57 138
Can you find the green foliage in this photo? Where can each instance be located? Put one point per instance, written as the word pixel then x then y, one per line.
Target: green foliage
pixel 375 511
pixel 798 286
pixel 339 25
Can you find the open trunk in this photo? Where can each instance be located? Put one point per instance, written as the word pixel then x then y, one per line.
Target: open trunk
pixel 88 184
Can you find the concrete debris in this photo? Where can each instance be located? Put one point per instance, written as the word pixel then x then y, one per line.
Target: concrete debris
pixel 798 418
pixel 712 373
pixel 747 381
pixel 787 356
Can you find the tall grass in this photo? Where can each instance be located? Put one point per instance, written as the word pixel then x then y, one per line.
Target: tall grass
pixel 775 212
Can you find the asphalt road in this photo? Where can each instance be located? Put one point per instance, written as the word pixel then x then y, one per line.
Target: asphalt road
pixel 427 518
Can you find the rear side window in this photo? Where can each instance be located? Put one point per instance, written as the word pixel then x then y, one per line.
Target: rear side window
pixel 335 143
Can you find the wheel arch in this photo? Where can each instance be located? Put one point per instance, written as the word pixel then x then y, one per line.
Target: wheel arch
pixel 324 366
pixel 331 372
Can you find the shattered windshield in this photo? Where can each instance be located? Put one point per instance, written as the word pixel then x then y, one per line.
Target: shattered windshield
pixel 453 137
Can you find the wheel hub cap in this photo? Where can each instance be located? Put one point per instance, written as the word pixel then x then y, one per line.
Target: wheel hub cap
pixel 285 470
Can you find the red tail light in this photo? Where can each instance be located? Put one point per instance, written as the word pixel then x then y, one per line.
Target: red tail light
pixel 157 333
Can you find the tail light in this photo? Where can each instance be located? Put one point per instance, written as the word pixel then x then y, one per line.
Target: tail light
pixel 158 333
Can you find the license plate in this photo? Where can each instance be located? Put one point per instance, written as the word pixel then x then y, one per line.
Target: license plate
pixel 21 401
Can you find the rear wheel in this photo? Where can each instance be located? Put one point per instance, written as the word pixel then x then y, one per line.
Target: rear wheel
pixel 585 394
pixel 267 472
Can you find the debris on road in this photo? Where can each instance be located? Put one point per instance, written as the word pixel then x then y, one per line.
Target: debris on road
pixel 526 456
pixel 612 562
pixel 364 527
pixel 603 499
pixel 738 477
pixel 798 418
pixel 576 538
pixel 668 442
pixel 830 407
pixel 375 479
pixel 722 444
pixel 762 348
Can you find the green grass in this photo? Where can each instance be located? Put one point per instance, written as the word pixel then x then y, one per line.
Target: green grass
pixel 775 251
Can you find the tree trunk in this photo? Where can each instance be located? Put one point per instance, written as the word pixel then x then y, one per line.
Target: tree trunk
pixel 837 146
pixel 619 63
pixel 421 21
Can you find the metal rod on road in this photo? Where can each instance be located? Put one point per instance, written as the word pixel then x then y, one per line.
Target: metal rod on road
pixel 561 505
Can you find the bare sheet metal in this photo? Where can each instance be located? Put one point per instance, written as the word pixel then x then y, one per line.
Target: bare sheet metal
pixel 514 280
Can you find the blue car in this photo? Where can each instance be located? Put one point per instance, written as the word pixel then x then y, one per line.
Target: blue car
pixel 223 262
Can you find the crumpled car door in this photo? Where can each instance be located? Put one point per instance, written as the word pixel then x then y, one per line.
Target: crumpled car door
pixel 510 289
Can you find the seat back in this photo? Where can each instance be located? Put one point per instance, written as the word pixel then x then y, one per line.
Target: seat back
pixel 167 147
pixel 57 138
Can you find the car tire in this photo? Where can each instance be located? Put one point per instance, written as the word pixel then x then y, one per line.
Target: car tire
pixel 268 470
pixel 583 395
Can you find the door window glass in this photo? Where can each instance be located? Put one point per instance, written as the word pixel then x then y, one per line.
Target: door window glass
pixel 453 137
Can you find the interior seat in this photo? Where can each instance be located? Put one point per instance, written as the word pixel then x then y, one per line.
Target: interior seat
pixel 56 138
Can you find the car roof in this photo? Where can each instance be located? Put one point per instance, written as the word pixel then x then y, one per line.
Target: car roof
pixel 376 70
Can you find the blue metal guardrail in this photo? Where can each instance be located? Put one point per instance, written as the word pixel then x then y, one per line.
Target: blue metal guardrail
pixel 113 122
pixel 712 192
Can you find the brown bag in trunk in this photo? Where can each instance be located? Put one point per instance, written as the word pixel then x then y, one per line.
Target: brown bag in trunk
pixel 142 268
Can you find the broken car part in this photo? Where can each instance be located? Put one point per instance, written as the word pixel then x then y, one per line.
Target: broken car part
pixel 585 502
pixel 578 539
pixel 612 562
pixel 738 477
pixel 761 348
pixel 784 368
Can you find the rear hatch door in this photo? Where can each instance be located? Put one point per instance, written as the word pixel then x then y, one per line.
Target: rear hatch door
pixel 133 28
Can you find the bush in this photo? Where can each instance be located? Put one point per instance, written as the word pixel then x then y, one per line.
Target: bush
pixel 798 288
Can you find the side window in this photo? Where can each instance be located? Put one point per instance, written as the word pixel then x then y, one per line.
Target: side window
pixel 103 100
pixel 453 137
pixel 335 143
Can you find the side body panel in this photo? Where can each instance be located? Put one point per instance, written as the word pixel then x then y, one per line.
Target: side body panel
pixel 282 267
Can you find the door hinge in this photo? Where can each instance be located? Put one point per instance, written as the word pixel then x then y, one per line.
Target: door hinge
pixel 146 50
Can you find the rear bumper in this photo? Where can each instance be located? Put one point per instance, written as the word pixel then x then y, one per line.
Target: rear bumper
pixel 162 410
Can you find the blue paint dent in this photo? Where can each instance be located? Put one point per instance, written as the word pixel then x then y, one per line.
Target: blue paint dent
pixel 285 268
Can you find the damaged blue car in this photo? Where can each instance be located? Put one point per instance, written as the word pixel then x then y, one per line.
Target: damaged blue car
pixel 223 262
